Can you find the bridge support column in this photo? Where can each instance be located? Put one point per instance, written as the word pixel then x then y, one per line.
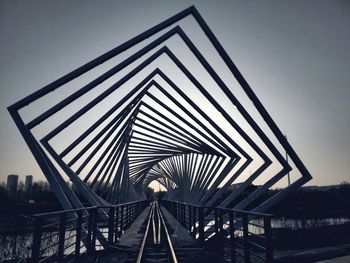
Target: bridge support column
pixel 232 238
pixel 190 218
pixel 117 214
pixel 36 240
pixel 268 237
pixel 216 218
pixel 111 225
pixel 61 237
pixel 78 234
pixel 92 227
pixel 194 223
pixel 201 224
pixel 221 221
pixel 121 219
pixel 246 239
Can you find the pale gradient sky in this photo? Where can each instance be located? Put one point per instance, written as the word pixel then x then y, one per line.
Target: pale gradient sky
pixel 294 54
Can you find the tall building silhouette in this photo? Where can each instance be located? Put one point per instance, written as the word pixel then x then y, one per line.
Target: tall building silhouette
pixel 12 182
pixel 28 183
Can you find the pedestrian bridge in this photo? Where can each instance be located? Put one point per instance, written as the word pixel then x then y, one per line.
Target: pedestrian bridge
pixel 168 105
pixel 158 231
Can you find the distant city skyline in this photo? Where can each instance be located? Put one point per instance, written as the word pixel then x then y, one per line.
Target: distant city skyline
pixel 294 54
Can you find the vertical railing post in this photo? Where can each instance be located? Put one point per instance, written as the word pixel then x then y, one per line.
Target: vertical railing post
pixel 127 221
pixel 111 225
pixel 94 232
pixel 216 218
pixel 268 239
pixel 131 211
pixel 78 235
pixel 189 218
pixel 177 211
pixel 121 219
pixel 126 218
pixel 36 239
pixel 232 238
pixel 89 233
pixel 127 211
pixel 246 239
pixel 182 214
pixel 194 217
pixel 116 223
pixel 201 224
pixel 135 210
pixel 221 220
pixel 61 236
pixel 187 215
pixel 183 211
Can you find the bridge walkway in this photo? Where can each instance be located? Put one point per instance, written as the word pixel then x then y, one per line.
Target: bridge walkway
pixel 187 248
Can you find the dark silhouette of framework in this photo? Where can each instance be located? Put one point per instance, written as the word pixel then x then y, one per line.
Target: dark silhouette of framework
pixel 145 138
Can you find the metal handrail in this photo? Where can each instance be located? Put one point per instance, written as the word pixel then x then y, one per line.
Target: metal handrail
pixel 84 209
pixel 225 209
pixel 64 211
pixel 87 223
pixel 196 220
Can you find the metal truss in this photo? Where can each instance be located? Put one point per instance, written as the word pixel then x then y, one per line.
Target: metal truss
pixel 156 131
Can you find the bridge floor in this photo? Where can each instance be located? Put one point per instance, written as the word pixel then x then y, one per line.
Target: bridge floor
pixel 132 236
pixel 345 259
pixel 178 233
pixel 126 249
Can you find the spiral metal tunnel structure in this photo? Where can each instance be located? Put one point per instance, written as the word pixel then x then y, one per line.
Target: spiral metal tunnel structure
pixel 152 127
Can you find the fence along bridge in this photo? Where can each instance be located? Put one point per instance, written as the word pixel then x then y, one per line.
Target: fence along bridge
pixel 164 231
pixel 144 111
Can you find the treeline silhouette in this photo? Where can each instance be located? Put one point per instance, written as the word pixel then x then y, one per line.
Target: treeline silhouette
pixel 305 202
pixel 40 192
pixel 38 199
pixel 308 202
pixel 323 202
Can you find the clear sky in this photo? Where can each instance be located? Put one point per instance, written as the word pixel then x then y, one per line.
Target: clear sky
pixel 294 54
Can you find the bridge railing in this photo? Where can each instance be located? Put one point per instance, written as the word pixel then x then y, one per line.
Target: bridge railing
pixel 238 235
pixel 65 235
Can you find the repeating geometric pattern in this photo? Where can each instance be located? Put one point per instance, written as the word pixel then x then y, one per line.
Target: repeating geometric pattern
pixel 150 127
